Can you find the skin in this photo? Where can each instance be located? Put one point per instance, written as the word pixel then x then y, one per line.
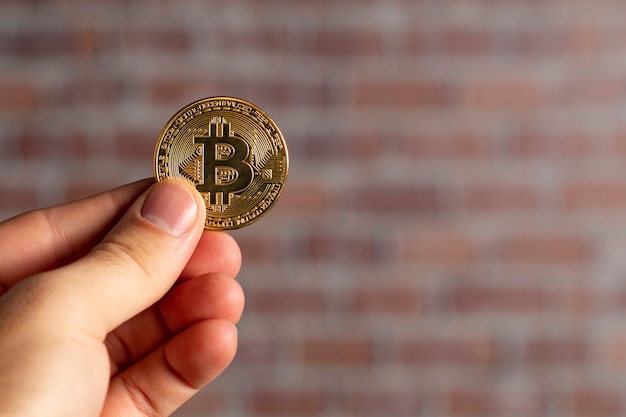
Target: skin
pixel 116 305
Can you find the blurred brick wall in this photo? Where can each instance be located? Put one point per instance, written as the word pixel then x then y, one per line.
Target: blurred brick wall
pixel 452 238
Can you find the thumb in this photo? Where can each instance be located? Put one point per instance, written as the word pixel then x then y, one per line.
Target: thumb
pixel 137 262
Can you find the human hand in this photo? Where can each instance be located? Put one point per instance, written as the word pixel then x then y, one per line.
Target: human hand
pixel 90 324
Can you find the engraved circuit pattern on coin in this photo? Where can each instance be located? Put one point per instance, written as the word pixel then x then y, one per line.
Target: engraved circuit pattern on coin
pixel 232 152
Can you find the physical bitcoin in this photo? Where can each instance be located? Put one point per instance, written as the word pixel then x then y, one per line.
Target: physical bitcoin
pixel 232 152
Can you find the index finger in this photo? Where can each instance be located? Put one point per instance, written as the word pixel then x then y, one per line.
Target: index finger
pixel 49 238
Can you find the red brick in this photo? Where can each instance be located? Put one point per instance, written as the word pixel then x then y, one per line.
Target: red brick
pixel 18 94
pixel 394 198
pixel 278 92
pixel 618 142
pixel 472 403
pixel 287 300
pixel 438 247
pixel 384 402
pixel 16 196
pixel 551 350
pixel 258 248
pixel 459 350
pixel 162 40
pixel 491 299
pixel 555 145
pixel 87 91
pixel 67 42
pixel 577 300
pixel 255 352
pixel 588 90
pixel 387 300
pixel 287 402
pixel 495 402
pixel 501 197
pixel 600 196
pixel 613 300
pixel 546 248
pixel 347 42
pixel 303 198
pixel 344 351
pixel 471 41
pixel 358 146
pixel 395 93
pixel 597 402
pixel 549 42
pixel 136 143
pixel 178 91
pixel 265 39
pixel 448 146
pixel 340 248
pixel 40 144
pixel 450 41
pixel 202 403
pixel 504 93
pixel 326 5
pixel 615 353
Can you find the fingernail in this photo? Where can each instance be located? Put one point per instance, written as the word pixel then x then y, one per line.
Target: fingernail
pixel 171 207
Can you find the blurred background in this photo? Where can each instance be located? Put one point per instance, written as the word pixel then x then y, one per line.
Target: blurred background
pixel 452 237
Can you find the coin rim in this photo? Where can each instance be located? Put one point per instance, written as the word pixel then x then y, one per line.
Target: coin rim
pixel 242 101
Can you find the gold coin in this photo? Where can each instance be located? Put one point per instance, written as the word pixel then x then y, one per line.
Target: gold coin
pixel 232 152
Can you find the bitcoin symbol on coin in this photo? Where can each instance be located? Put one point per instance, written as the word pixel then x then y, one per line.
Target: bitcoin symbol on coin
pixel 232 152
pixel 221 180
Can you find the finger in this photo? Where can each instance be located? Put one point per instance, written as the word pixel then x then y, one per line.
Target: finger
pixel 44 239
pixel 169 376
pixel 212 296
pixel 221 249
pixel 131 268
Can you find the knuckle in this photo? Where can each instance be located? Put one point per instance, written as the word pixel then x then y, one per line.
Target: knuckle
pixel 119 258
pixel 119 351
pixel 139 398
